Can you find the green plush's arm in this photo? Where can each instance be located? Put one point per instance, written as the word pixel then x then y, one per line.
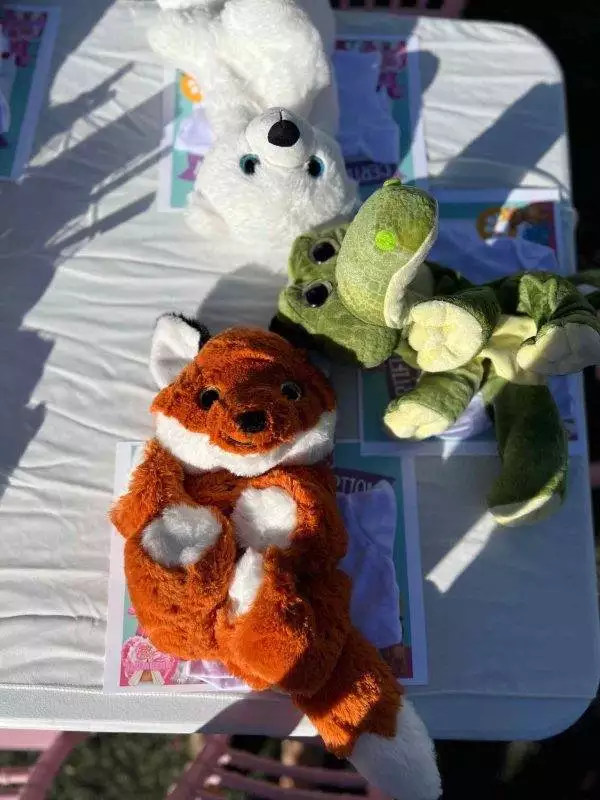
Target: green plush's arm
pixel 543 296
pixel 533 449
pixel 435 403
pixel 446 332
pixel 568 330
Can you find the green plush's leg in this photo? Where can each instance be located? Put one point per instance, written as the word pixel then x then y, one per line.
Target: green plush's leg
pixel 533 449
pixel 435 403
pixel 568 335
pixel 447 332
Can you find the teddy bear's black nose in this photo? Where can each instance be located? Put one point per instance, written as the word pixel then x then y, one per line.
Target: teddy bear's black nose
pixel 252 421
pixel 283 133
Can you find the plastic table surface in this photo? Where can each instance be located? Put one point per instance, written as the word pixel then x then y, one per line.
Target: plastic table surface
pixel 87 263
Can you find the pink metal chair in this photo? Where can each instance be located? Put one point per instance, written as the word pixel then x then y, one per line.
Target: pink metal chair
pixel 214 770
pixel 431 8
pixel 33 782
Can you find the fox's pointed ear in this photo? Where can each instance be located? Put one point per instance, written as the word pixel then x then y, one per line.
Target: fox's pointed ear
pixel 175 343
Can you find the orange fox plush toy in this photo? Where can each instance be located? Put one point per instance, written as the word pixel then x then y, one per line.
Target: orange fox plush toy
pixel 234 538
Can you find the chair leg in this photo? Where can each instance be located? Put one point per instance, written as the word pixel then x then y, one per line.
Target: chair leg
pixel 207 760
pixel 49 764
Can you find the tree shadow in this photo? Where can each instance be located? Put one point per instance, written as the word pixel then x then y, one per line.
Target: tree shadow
pixel 55 210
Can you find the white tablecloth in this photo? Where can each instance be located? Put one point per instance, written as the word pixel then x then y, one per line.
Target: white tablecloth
pixel 87 264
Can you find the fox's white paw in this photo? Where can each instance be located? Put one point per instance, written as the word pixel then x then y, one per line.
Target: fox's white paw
pixel 181 535
pixel 246 581
pixel 264 517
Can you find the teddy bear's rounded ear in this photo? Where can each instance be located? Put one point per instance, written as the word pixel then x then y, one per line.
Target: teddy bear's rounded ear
pixel 175 343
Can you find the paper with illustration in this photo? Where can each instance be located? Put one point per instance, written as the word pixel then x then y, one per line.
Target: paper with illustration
pixel 27 36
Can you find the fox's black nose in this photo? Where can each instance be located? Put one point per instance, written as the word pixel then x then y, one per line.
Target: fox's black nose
pixel 283 133
pixel 252 421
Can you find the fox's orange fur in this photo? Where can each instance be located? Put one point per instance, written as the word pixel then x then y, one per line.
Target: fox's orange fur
pixel 296 635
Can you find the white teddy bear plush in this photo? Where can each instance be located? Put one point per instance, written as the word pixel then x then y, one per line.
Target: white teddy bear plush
pixel 266 184
pixel 273 171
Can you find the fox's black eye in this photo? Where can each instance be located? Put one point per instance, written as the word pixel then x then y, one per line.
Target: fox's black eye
pixel 291 390
pixel 207 397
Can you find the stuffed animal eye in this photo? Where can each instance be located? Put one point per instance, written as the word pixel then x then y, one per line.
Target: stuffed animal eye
pixel 322 251
pixel 291 390
pixel 249 163
pixel 315 167
pixel 207 397
pixel 317 294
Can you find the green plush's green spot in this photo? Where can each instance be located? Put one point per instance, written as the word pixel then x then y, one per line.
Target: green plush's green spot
pixel 393 182
pixel 386 241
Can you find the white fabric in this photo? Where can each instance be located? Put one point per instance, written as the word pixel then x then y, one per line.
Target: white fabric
pixel 371 518
pixel 87 265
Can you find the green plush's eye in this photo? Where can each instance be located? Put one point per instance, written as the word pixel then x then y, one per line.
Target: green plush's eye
pixel 317 294
pixel 322 251
pixel 249 163
pixel 315 167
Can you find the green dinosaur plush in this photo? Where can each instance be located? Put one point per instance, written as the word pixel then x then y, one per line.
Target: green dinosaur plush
pixel 364 292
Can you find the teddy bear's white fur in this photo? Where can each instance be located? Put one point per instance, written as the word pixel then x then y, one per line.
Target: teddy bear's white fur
pixel 285 192
pixel 252 55
pixel 274 170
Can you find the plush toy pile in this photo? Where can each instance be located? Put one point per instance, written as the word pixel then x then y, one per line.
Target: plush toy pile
pixel 233 535
pixel 234 541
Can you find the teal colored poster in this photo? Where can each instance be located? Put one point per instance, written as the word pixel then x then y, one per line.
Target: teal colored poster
pixel 27 35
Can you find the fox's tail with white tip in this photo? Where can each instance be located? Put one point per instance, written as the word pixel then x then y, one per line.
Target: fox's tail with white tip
pixel 361 715
pixel 403 767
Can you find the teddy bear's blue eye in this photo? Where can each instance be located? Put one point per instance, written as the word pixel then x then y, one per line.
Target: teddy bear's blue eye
pixel 315 167
pixel 249 163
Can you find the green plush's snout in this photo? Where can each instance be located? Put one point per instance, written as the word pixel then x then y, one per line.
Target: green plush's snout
pixel 383 250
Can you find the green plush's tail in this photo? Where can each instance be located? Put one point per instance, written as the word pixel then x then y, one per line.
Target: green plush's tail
pixel 533 449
